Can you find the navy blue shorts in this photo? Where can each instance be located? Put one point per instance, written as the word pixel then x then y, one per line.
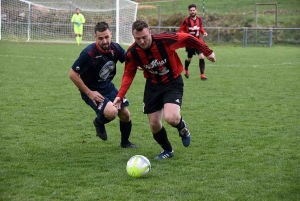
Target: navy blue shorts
pixel 156 96
pixel 110 97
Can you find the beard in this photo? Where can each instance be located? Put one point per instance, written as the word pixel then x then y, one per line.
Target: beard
pixel 192 15
pixel 104 46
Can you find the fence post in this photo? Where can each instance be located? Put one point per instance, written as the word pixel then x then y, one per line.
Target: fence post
pixel 0 20
pixel 219 35
pixel 245 36
pixel 270 37
pixel 29 23
pixel 159 17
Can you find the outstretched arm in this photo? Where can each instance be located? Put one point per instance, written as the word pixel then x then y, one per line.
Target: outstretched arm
pixel 187 40
pixel 95 96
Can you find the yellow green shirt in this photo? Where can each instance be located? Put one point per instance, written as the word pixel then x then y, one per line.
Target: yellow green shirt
pixel 78 18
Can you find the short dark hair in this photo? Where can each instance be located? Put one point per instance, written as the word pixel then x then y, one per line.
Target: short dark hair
pixel 192 6
pixel 101 26
pixel 139 25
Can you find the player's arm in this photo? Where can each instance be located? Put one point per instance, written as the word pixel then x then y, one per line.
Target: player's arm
pixel 128 76
pixel 122 53
pixel 202 31
pixel 75 77
pixel 73 20
pixel 182 27
pixel 74 74
pixel 187 40
pixel 82 19
pixel 95 96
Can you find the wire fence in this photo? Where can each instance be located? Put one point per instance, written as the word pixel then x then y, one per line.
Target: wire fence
pixel 245 36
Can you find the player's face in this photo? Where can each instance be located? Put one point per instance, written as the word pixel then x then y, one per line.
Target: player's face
pixel 103 39
pixel 143 38
pixel 193 12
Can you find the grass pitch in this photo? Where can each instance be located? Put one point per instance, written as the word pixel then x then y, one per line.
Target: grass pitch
pixel 244 122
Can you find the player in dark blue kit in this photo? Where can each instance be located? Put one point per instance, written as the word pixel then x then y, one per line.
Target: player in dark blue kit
pixel 93 73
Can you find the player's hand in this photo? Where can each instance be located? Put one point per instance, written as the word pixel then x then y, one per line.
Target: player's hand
pixel 117 102
pixel 211 57
pixel 205 34
pixel 95 96
pixel 139 68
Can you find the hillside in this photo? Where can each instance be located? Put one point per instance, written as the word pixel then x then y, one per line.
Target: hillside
pixel 224 13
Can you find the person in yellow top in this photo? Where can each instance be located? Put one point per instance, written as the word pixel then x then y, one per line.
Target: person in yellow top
pixel 78 20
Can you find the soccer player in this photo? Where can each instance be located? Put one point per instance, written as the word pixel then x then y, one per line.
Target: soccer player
pixel 193 25
pixel 93 73
pixel 156 55
pixel 78 20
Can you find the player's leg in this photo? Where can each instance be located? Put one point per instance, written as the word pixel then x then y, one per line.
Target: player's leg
pixel 80 38
pixel 76 31
pixel 173 117
pixel 125 120
pixel 160 135
pixel 125 128
pixel 202 66
pixel 105 112
pixel 80 33
pixel 77 39
pixel 153 105
pixel 190 53
pixel 172 104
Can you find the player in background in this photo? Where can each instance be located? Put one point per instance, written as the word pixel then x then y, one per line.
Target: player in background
pixel 193 25
pixel 78 20
pixel 93 73
pixel 156 55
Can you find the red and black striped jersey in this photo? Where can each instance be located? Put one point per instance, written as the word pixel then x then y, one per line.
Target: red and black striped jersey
pixel 160 62
pixel 191 26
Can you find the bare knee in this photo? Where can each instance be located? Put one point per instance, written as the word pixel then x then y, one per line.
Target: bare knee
pixel 110 111
pixel 172 119
pixel 124 114
pixel 155 126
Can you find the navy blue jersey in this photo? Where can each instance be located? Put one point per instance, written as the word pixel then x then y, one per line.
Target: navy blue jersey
pixel 97 68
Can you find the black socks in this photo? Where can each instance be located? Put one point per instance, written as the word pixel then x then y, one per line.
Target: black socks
pixel 162 139
pixel 202 65
pixel 125 129
pixel 186 64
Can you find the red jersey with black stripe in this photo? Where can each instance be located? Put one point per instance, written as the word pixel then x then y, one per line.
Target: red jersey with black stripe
pixel 192 26
pixel 160 62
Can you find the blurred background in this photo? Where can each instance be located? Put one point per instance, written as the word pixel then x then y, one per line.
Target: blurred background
pixel 239 22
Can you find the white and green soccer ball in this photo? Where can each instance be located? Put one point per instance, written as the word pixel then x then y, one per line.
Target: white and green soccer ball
pixel 138 166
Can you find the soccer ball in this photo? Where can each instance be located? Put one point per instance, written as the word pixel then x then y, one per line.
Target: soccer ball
pixel 138 166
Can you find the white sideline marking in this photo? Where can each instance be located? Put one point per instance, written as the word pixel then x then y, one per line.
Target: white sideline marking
pixel 34 57
pixel 252 65
pixel 211 65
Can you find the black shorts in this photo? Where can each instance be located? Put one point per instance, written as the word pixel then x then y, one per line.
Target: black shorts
pixel 192 51
pixel 155 96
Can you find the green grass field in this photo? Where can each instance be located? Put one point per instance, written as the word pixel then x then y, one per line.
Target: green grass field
pixel 244 122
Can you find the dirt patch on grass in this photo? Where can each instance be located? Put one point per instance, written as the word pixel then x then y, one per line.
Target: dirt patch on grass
pixel 146 7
